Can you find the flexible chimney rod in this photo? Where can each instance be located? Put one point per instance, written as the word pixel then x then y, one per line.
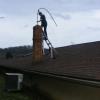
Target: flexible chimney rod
pixel 48 13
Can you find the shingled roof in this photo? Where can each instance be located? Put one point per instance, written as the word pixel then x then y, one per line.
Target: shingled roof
pixel 82 60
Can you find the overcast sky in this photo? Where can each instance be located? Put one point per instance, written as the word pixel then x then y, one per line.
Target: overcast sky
pixel 78 21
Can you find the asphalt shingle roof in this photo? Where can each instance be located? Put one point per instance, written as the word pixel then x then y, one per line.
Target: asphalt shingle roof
pixel 82 60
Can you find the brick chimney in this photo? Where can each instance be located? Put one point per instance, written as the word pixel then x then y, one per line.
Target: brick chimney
pixel 37 44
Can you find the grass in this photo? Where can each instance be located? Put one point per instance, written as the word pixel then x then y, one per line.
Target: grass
pixel 10 95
